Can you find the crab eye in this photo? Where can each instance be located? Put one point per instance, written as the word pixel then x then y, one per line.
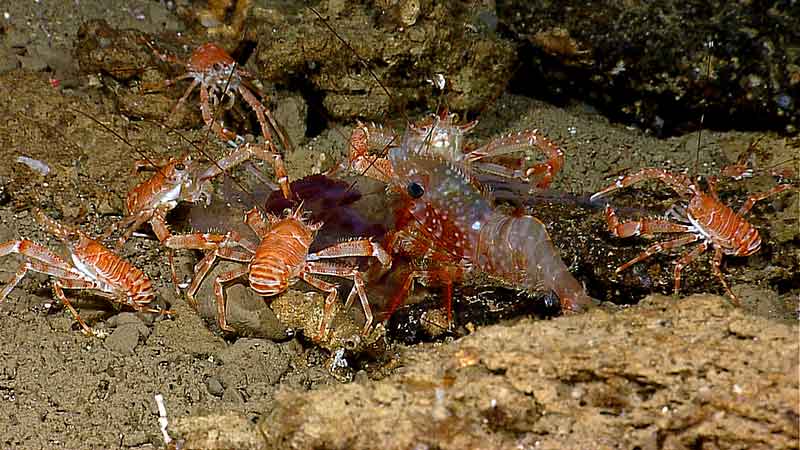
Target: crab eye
pixel 180 166
pixel 415 190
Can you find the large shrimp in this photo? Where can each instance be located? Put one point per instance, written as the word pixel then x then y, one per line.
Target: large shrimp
pixel 451 224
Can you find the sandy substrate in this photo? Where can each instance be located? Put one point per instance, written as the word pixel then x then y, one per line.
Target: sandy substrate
pixel 691 372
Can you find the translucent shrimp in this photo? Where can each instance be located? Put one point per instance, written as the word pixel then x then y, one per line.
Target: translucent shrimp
pixel 452 224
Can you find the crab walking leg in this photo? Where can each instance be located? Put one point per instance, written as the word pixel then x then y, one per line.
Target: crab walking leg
pixel 45 262
pixel 685 260
pixel 444 276
pixel 520 141
pixel 219 293
pixel 58 289
pixel 130 224
pixel 680 183
pixel 644 227
pixel 330 300
pixel 659 247
pixel 716 267
pixel 265 152
pixel 208 117
pixel 356 247
pixel 335 270
pixel 186 94
pixel 263 114
pixel 216 246
pixel 751 201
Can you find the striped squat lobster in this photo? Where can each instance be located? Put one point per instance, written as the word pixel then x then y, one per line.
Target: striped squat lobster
pixel 278 260
pixel 90 266
pixel 180 180
pixel 447 222
pixel 704 218
pixel 445 140
pixel 217 74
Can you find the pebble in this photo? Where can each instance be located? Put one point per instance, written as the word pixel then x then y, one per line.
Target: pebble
pixel 214 387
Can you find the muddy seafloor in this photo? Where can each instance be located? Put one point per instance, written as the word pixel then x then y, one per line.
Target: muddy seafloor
pixel 690 371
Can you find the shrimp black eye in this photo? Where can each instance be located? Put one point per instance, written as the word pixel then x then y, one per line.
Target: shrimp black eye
pixel 415 190
pixel 180 166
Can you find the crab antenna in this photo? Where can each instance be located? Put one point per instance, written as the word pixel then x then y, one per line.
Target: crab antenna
pixel 710 46
pixel 120 137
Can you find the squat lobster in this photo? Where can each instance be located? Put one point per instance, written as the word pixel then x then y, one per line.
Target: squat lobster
pixel 90 266
pixel 704 219
pixel 177 180
pixel 217 74
pixel 278 260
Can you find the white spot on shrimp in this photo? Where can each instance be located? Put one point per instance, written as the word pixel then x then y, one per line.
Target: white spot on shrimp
pixel 476 225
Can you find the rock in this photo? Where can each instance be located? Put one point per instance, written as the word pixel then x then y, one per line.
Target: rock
pixel 214 387
pixel 652 65
pixel 403 54
pixel 674 372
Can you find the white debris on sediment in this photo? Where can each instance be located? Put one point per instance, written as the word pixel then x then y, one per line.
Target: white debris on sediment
pixel 38 166
pixel 162 418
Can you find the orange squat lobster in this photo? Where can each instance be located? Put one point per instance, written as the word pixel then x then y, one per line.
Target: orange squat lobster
pixel 445 140
pixel 177 180
pixel 704 219
pixel 216 73
pixel 278 260
pixel 91 266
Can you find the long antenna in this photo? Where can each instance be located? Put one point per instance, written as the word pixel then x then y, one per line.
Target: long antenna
pixel 118 136
pixel 710 47
pixel 361 59
pixel 238 184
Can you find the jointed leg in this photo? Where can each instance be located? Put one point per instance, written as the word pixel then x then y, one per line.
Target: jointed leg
pixel 240 154
pixel 679 182
pixel 428 277
pixel 659 247
pixel 63 272
pixel 325 268
pixel 363 139
pixel 208 117
pixel 716 265
pixel 357 247
pixel 204 266
pixel 748 204
pixel 220 294
pixel 643 227
pixel 186 93
pixel 263 114
pixel 131 224
pixel 520 141
pixel 685 260
pixel 330 301
pixel 159 224
pixel 215 246
pixel 57 289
